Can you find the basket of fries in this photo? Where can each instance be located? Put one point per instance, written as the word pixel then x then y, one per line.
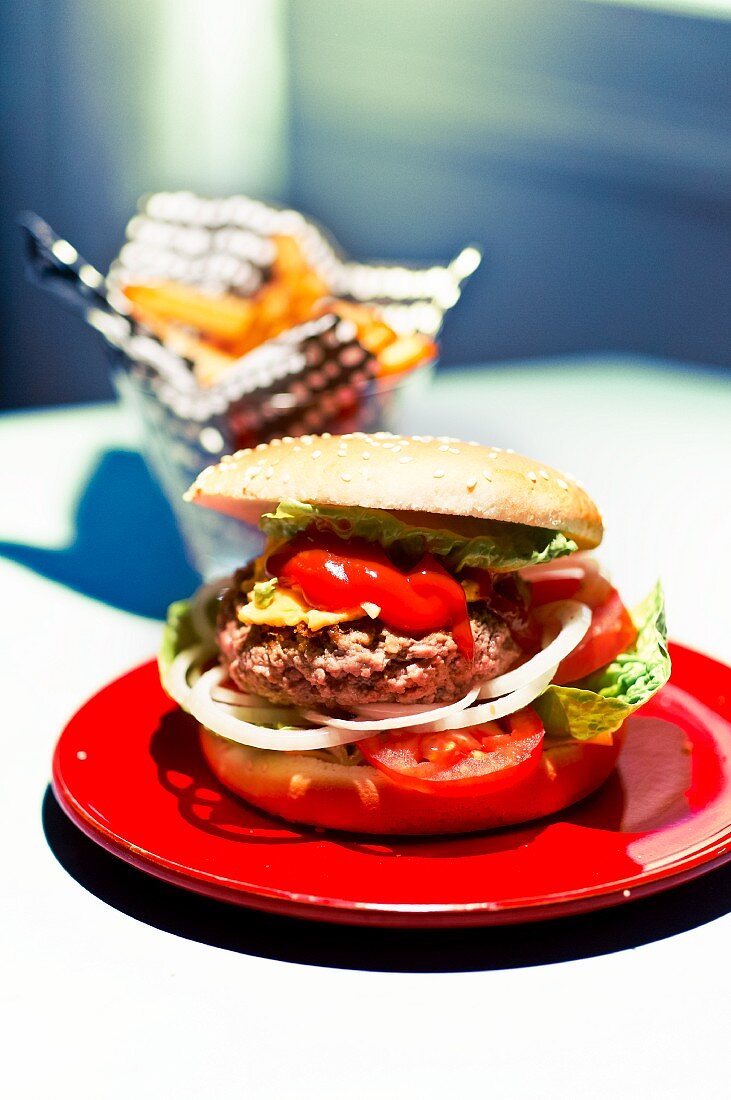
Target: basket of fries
pixel 231 322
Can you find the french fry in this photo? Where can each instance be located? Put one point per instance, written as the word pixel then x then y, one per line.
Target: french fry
pixel 405 353
pixel 226 318
pixel 209 363
pixel 376 336
pixel 289 260
pixel 214 331
pixel 373 332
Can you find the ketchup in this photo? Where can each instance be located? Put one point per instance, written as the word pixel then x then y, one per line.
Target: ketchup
pixel 334 575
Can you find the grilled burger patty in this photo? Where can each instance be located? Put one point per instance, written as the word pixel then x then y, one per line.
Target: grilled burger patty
pixel 359 662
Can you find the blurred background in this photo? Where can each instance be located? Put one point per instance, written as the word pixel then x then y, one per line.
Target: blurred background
pixel 585 145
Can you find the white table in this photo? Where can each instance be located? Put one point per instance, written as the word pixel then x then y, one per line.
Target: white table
pixel 145 992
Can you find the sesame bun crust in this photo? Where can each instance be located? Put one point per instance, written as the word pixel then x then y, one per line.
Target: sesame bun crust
pixel 360 799
pixel 414 474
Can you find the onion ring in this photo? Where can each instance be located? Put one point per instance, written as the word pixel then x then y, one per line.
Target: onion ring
pixel 575 619
pixel 429 714
pixel 232 728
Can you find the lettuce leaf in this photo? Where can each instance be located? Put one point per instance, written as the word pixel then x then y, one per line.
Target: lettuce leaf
pixel 181 630
pixel 601 702
pixel 503 548
pixel 179 633
pixel 263 592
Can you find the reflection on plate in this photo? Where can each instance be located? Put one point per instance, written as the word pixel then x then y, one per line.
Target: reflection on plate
pixel 129 772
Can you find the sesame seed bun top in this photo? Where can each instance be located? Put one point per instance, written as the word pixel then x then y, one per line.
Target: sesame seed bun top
pixel 424 474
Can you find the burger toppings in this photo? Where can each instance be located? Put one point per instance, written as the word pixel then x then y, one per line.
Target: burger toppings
pixel 587 710
pixel 361 662
pixel 481 760
pixel 447 651
pixel 462 542
pixel 335 576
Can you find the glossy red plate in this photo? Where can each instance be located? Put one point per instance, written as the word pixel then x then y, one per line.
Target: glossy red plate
pixel 129 773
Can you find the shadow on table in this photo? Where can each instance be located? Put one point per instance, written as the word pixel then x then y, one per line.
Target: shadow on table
pixel 379 949
pixel 127 551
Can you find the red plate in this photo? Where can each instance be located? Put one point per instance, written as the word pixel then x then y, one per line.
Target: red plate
pixel 129 773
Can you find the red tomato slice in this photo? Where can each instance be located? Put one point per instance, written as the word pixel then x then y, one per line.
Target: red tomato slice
pixel 475 761
pixel 610 633
pixel 548 589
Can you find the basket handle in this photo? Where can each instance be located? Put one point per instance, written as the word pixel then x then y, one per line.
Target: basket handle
pixel 54 265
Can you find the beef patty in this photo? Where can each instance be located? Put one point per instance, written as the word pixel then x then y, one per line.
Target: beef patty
pixel 359 662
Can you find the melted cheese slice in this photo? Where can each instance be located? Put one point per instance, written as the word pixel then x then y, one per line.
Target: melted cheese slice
pixel 288 609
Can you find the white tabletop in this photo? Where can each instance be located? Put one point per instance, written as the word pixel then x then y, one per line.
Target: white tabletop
pixel 117 986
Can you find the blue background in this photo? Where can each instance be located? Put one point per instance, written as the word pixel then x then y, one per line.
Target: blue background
pixel 584 145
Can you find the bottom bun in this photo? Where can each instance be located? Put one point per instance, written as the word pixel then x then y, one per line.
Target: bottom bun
pixel 360 799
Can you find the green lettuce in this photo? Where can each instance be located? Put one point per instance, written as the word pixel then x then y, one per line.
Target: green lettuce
pixel 504 547
pixel 263 592
pixel 601 702
pixel 183 630
pixel 179 633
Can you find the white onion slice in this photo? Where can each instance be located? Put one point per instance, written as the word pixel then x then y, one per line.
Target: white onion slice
pixel 214 717
pixel 266 715
pixel 415 718
pixel 176 681
pixel 237 698
pixel 489 712
pixel 255 708
pixel 575 620
pixel 582 562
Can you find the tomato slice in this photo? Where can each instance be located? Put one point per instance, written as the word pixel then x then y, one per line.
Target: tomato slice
pixel 610 633
pixel 475 761
pixel 552 587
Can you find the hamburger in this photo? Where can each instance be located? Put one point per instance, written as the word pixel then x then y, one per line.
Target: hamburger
pixel 425 644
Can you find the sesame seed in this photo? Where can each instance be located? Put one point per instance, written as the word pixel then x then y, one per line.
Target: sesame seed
pixel 493 455
pixel 296 447
pixel 473 443
pixel 543 474
pixel 405 458
pixel 509 451
pixel 366 456
pixel 531 476
pixel 438 473
pixel 326 435
pixel 471 484
pixel 268 472
pixel 561 483
pixel 285 477
pixel 306 439
pixel 347 477
pixel 261 446
pixel 444 447
pixel 487 475
pixel 396 450
pixel 315 454
pixel 287 439
pixel 453 450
